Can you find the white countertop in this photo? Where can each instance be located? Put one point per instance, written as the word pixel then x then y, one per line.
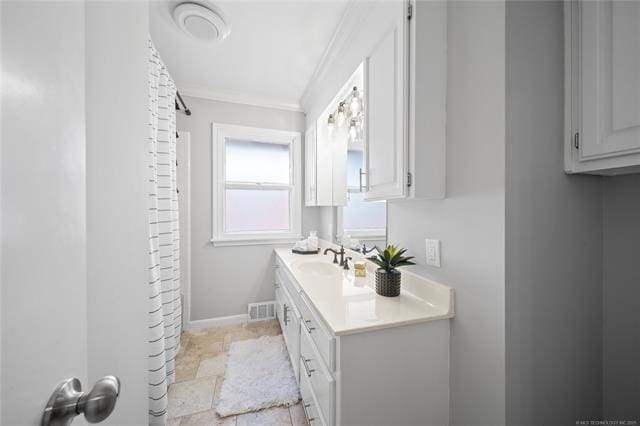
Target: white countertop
pixel 349 304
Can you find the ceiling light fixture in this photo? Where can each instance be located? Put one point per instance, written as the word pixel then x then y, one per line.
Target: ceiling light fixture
pixel 202 21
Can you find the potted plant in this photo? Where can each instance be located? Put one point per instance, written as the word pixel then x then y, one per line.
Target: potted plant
pixel 387 276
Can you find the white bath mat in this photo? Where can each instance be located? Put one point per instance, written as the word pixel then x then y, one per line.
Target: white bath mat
pixel 258 375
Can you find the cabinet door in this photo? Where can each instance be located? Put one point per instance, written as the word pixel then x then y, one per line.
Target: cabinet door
pixel 310 176
pixel 386 108
pixel 610 88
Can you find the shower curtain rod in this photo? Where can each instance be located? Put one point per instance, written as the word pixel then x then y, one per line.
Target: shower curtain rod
pixel 184 106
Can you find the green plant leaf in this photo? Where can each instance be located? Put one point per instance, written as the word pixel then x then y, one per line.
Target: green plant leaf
pixel 397 256
pixel 391 257
pixel 388 253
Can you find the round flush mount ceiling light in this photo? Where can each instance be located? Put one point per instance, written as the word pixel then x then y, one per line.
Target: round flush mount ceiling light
pixel 200 21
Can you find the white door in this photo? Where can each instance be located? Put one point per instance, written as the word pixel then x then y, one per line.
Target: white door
pixel 44 266
pixel 72 280
pixel 610 65
pixel 386 108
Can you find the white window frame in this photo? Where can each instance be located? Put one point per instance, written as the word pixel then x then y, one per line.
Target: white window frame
pixel 361 234
pixel 221 132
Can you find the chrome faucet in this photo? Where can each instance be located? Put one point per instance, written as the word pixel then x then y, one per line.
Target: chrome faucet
pixel 335 255
pixel 364 251
pixel 346 263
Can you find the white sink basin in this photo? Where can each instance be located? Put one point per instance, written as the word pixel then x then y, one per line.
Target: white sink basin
pixel 318 268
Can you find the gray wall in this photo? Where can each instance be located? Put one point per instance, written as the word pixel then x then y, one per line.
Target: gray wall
pixel 470 221
pixel 225 279
pixel 621 296
pixel 554 237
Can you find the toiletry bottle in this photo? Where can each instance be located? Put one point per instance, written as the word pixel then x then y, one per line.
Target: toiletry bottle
pixel 312 241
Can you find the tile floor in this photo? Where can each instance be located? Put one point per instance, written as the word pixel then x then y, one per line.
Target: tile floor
pixel 200 367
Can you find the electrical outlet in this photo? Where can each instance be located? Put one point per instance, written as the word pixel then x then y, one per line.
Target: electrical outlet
pixel 433 252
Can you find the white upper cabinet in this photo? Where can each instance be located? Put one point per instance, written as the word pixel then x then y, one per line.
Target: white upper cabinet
pixel 310 171
pixel 603 87
pixel 406 88
pixel 403 48
pixel 386 133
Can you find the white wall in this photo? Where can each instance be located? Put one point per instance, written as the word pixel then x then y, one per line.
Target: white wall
pixel 225 279
pixel 470 221
pixel 621 325
pixel 117 233
pixel 554 237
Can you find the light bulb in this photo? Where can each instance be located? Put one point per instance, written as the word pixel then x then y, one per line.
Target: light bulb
pixel 353 130
pixel 356 102
pixel 331 124
pixel 342 116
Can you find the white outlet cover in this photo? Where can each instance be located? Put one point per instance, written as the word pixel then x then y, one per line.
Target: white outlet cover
pixel 433 252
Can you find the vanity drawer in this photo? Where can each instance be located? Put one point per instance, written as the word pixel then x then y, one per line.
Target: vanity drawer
pixel 290 325
pixel 282 279
pixel 320 380
pixel 309 404
pixel 314 327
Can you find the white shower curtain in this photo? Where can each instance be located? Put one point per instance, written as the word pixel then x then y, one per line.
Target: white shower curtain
pixel 164 238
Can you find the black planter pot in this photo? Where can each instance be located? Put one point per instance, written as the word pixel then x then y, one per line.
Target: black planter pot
pixel 388 283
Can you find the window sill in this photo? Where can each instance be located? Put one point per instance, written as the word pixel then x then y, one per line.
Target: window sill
pixel 254 241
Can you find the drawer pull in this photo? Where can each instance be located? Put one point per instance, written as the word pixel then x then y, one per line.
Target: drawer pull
pixel 276 285
pixel 306 325
pixel 306 415
pixel 285 311
pixel 306 367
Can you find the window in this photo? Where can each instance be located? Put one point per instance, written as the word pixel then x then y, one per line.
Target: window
pixel 256 185
pixel 365 220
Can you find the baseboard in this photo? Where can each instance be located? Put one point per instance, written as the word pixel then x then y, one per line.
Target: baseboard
pixel 216 322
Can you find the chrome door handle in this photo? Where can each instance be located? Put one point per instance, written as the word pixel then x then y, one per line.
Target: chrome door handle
pixel 285 310
pixel 68 401
pixel 309 329
pixel 306 367
pixel 361 173
pixel 306 415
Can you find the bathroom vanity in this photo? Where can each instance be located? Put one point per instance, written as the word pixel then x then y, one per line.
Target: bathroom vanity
pixel 361 358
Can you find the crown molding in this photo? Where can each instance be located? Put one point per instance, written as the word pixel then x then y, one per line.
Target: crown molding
pixel 355 13
pixel 241 98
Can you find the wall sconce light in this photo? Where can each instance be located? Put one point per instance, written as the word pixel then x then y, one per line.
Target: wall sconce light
pixel 349 111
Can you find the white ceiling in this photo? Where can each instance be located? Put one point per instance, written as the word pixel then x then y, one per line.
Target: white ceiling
pixel 268 59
